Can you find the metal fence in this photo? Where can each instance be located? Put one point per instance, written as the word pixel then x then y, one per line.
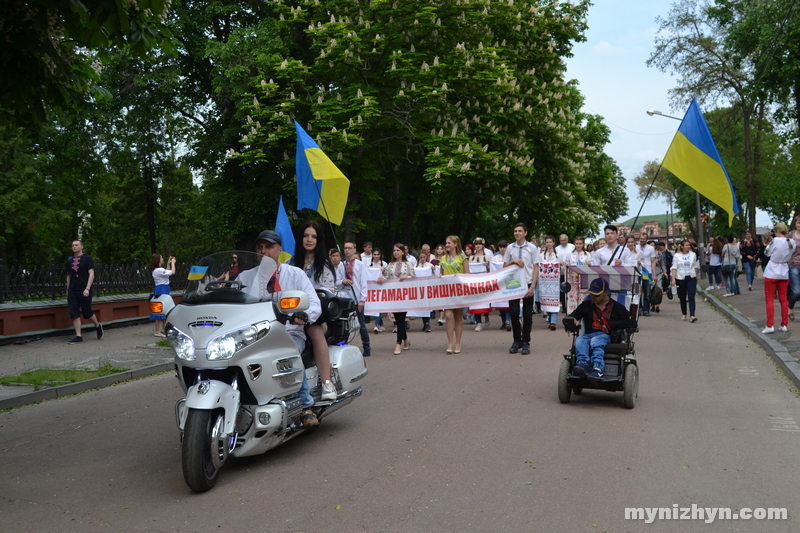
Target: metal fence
pixel 39 283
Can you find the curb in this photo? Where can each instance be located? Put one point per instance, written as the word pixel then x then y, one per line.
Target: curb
pixel 776 350
pixel 82 386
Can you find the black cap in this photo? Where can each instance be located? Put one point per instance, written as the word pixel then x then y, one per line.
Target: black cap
pixel 269 236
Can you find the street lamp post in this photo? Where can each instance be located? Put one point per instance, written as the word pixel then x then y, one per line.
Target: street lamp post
pixel 700 232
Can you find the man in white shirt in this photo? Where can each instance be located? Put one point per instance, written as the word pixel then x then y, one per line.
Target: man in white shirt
pixel 526 256
pixel 410 257
pixel 286 278
pixel 355 277
pixel 564 248
pixel 613 254
pixel 366 257
pixel 649 267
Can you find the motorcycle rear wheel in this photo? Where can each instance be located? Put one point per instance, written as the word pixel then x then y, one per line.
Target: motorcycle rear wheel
pixel 200 469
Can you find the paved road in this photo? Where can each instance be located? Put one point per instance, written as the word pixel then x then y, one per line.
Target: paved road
pixel 437 443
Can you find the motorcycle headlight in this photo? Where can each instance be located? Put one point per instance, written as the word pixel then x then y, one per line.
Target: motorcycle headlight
pixel 181 343
pixel 224 346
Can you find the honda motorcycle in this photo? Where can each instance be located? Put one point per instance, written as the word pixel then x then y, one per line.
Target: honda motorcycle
pixel 240 368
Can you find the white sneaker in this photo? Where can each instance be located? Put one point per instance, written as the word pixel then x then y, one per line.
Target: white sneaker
pixel 376 330
pixel 328 391
pixel 784 329
pixel 479 327
pixel 381 329
pixel 487 322
pixel 768 330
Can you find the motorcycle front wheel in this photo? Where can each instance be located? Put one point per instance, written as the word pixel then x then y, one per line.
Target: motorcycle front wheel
pixel 202 450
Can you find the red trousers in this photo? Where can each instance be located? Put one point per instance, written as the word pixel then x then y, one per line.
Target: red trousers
pixel 769 295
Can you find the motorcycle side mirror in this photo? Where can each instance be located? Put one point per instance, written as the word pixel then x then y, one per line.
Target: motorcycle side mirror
pixel 566 287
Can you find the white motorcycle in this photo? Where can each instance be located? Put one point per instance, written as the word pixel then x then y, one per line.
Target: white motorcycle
pixel 241 370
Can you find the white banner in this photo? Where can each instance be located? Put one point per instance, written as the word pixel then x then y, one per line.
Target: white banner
pixel 445 292
pixel 424 272
pixel 494 266
pixel 372 275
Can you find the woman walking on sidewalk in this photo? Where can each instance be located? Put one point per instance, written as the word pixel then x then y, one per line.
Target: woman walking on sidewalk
pixel 794 268
pixel 749 251
pixel 684 277
pixel 776 276
pixel 729 255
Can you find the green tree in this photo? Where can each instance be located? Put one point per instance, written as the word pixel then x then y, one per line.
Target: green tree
pixel 691 44
pixel 765 37
pixel 437 112
pixel 52 48
pixel 21 188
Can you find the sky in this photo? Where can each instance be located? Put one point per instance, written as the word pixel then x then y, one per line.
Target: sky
pixel 617 84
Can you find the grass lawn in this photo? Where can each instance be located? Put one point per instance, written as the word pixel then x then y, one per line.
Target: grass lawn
pixel 48 377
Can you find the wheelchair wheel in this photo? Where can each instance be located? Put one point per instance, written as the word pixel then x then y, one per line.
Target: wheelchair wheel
pixel 564 388
pixel 630 386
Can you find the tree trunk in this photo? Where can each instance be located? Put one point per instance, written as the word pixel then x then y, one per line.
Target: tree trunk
pixel 750 189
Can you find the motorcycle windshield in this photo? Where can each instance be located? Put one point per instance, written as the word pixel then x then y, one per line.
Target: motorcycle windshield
pixel 230 277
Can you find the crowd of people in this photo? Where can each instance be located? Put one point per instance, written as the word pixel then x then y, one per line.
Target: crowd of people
pixel 543 267
pixel 666 269
pixel 674 268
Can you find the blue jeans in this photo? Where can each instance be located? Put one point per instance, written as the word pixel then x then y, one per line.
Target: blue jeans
pixel 749 271
pixel 794 286
pixel 363 330
pixel 715 275
pixel 731 283
pixel 552 317
pixel 304 392
pixel 593 344
pixel 645 295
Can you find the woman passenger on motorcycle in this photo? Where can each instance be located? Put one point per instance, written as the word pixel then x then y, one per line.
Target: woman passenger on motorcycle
pixel 399 268
pixel 310 254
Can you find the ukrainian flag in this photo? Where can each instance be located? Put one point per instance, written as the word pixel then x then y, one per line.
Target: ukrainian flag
pixel 694 159
pixel 284 229
pixel 320 184
pixel 197 273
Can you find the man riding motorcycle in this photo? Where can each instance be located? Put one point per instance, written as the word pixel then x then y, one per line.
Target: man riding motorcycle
pixel 286 278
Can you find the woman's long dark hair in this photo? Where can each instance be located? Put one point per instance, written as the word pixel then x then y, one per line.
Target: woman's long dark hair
pixel 155 259
pixel 321 259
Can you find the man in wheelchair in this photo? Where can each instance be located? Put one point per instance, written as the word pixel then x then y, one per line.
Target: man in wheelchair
pixel 602 316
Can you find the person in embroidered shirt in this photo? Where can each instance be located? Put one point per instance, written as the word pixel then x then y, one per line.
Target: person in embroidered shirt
pixel 355 277
pixel 601 316
pixel 80 277
pixel 526 256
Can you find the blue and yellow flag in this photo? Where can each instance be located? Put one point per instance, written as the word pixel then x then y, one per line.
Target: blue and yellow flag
pixel 284 229
pixel 197 273
pixel 320 184
pixel 694 159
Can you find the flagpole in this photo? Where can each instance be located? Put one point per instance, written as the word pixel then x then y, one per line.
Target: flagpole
pixel 328 218
pixel 650 188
